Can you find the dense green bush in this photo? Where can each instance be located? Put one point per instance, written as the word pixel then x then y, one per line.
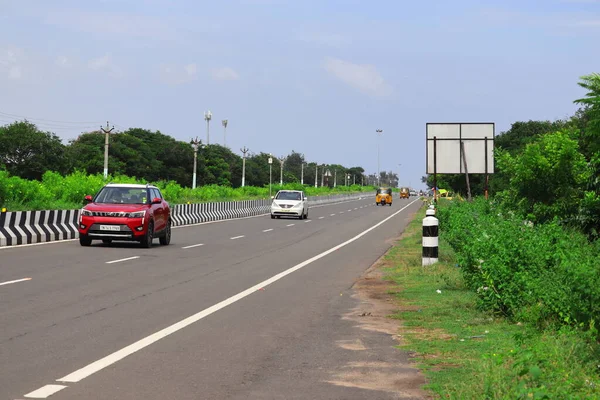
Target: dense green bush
pixel 543 274
pixel 67 192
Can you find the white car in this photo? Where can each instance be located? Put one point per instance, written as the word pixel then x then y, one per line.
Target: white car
pixel 293 203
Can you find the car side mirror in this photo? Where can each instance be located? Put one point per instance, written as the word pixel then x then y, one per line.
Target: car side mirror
pixel 88 199
pixel 156 200
pixel 272 197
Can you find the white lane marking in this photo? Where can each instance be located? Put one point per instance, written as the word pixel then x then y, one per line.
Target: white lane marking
pixel 45 391
pixel 290 224
pixel 331 215
pixel 341 212
pixel 268 230
pixel 15 281
pixel 194 245
pixel 349 210
pixel 148 340
pixel 237 237
pixel 122 259
pixel 307 221
pixel 355 209
pixel 321 217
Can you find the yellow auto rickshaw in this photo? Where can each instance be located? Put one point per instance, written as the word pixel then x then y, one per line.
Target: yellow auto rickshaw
pixel 383 197
pixel 404 193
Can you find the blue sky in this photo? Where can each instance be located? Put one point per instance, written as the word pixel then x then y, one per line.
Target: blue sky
pixel 317 77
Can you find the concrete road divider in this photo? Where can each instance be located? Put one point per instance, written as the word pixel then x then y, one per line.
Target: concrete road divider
pixel 28 227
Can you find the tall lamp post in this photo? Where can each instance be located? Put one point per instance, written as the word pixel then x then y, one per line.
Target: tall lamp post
pixel 302 173
pixel 399 165
pixel 244 151
pixel 106 133
pixel 224 122
pixel 281 161
pixel 316 174
pixel 379 133
pixel 270 174
pixel 207 118
pixel 195 145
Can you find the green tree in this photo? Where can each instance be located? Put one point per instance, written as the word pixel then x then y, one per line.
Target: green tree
pixel 27 152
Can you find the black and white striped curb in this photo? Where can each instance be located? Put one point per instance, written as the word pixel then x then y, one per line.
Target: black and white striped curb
pixel 28 227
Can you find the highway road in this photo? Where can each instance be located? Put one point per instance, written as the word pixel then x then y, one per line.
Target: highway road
pixel 246 309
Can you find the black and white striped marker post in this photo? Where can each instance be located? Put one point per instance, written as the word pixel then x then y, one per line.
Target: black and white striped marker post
pixel 430 238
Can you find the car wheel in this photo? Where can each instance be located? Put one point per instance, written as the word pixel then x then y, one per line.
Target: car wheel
pixel 107 241
pixel 85 240
pixel 149 236
pixel 272 216
pixel 166 238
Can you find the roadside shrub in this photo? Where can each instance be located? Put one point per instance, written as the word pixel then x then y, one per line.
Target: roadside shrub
pixel 543 274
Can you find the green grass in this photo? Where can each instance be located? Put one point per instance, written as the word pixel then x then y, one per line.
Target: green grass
pixel 468 354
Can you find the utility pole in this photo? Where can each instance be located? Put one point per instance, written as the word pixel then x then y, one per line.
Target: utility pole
pixel 281 161
pixel 316 174
pixel 207 118
pixel 244 151
pixel 323 176
pixel 335 177
pixel 224 122
pixel 302 173
pixel 106 133
pixel 354 179
pixel 195 145
pixel 379 133
pixel 270 175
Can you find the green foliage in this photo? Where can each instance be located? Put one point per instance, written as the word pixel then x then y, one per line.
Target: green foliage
pixel 56 191
pixel 542 274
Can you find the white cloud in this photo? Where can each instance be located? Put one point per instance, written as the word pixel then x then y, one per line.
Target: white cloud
pixel 363 77
pixel 225 74
pixel 177 75
pixel 105 63
pixel 11 62
pixel 63 62
pixel 15 72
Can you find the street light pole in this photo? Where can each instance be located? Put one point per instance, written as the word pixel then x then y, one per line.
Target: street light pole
pixel 335 178
pixel 195 145
pixel 379 132
pixel 207 118
pixel 224 122
pixel 270 175
pixel 281 161
pixel 316 174
pixel 106 133
pixel 244 151
pixel 302 173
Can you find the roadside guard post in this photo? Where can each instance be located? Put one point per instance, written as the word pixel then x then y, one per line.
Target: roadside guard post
pixel 430 238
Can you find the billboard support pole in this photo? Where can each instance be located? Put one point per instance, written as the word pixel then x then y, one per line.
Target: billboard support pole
pixel 435 169
pixel 464 160
pixel 486 169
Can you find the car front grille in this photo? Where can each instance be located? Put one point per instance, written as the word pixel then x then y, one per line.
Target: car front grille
pixel 114 214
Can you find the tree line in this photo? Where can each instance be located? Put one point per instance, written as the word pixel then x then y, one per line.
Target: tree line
pixel 547 170
pixel 28 152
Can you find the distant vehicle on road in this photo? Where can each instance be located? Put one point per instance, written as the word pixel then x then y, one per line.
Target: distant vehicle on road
pixel 291 203
pixel 383 196
pixel 125 212
pixel 413 192
pixel 404 193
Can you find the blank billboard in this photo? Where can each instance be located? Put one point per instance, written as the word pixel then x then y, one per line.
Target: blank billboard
pixel 448 153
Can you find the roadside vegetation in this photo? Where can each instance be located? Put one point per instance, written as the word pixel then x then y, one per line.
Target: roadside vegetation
pixel 55 191
pixel 506 330
pixel 512 308
pixel 39 171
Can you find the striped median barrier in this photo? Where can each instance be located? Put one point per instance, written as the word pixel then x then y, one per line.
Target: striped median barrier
pixel 28 227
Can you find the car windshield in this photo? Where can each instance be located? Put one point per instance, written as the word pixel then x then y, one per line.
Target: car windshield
pixel 122 195
pixel 289 196
pixel 384 191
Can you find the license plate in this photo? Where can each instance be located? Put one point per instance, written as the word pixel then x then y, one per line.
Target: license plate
pixel 110 228
pixel 285 210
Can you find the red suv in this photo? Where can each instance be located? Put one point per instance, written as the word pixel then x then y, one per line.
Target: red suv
pixel 125 212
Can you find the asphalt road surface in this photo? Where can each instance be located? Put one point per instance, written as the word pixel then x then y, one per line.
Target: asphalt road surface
pixel 237 309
